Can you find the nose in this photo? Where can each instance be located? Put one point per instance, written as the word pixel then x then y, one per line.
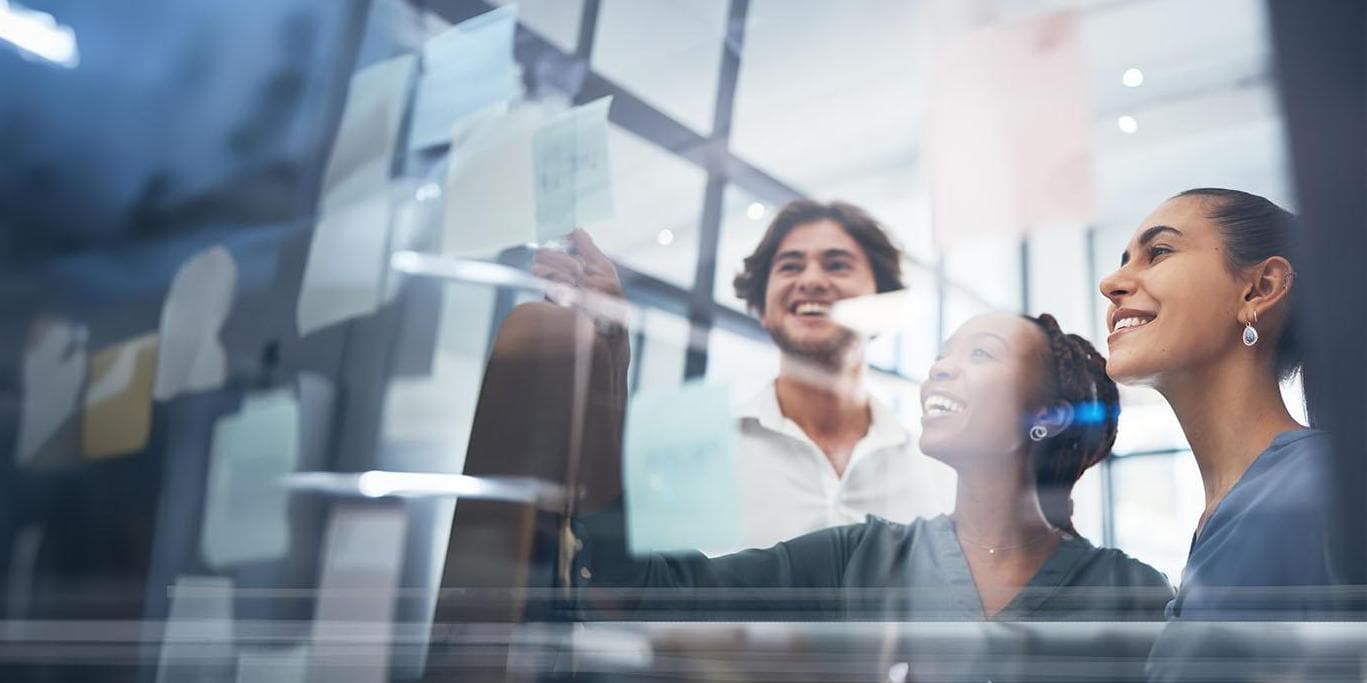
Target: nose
pixel 1118 285
pixel 812 278
pixel 943 368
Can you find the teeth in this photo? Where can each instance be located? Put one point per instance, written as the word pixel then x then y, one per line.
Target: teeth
pixel 810 308
pixel 1125 323
pixel 936 404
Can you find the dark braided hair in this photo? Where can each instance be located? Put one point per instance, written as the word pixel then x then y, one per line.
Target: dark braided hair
pixel 1080 380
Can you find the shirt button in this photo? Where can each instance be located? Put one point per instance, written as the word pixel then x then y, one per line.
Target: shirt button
pixel 585 574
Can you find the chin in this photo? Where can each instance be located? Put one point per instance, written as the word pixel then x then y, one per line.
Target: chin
pixel 1124 370
pixel 936 448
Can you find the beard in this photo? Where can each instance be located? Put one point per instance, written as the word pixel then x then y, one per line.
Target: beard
pixel 827 352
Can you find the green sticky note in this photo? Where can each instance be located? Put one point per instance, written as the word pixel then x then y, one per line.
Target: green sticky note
pixel 572 177
pixel 680 470
pixel 246 515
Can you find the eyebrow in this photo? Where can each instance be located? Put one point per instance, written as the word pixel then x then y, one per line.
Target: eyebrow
pixel 1148 236
pixel 996 336
pixel 798 254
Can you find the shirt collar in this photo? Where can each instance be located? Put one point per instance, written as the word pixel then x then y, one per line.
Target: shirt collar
pixel 885 430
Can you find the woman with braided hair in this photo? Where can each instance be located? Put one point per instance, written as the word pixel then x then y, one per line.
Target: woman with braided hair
pixel 1020 410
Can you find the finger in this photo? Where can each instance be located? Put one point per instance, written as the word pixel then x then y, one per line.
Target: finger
pixel 553 274
pixel 560 261
pixel 583 245
pixel 563 264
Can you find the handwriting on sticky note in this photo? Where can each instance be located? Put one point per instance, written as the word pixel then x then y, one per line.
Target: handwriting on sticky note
pixel 682 491
pixel 573 177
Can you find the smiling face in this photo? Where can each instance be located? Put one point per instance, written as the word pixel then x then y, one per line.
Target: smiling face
pixel 816 264
pixel 1175 305
pixel 982 390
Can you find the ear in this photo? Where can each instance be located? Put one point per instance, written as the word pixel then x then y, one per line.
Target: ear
pixel 1268 284
pixel 1056 418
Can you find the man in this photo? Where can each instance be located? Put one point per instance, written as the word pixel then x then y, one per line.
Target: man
pixel 814 449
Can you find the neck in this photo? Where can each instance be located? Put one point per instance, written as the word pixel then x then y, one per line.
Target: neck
pixel 824 400
pixel 1229 413
pixel 998 511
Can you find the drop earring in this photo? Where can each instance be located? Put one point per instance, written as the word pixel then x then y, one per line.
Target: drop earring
pixel 1251 333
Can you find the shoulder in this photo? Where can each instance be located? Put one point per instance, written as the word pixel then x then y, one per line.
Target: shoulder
pixel 1112 566
pixel 1133 589
pixel 1284 490
pixel 875 529
pixel 1130 571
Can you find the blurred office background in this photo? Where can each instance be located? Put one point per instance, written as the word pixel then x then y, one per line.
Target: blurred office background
pixel 185 125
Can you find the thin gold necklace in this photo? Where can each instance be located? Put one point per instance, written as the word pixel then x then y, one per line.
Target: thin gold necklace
pixel 993 550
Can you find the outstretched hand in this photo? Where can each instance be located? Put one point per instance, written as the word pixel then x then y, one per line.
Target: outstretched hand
pixel 582 266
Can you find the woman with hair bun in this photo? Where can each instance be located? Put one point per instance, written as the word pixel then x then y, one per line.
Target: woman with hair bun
pixel 1202 309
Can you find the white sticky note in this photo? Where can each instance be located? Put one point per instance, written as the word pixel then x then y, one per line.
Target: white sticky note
pixel 357 589
pixel 573 180
pixel 191 357
pixel 198 644
pixel 363 150
pixel 345 273
pixel 273 665
pixel 246 516
pixel 465 69
pixel 54 368
pixel 682 491
pixel 879 313
pixel 490 203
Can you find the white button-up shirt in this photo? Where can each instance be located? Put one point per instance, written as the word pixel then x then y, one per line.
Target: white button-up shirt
pixel 789 488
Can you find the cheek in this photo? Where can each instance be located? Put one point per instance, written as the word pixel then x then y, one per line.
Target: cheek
pixel 996 417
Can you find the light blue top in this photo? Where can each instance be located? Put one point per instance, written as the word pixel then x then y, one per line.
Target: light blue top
pixel 1263 556
pixel 1264 552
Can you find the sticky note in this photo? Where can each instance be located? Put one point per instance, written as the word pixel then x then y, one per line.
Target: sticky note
pixel 54 370
pixel 246 516
pixel 573 181
pixel 465 69
pixel 682 491
pixel 880 313
pixel 358 582
pixel 363 150
pixel 490 202
pixel 344 275
pixel 198 642
pixel 273 665
pixel 191 357
pixel 118 399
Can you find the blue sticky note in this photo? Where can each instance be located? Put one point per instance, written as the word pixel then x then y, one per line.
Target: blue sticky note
pixel 482 43
pixel 573 179
pixel 465 69
pixel 445 97
pixel 682 491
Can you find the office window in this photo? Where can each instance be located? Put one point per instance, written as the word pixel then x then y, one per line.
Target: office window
pixel 1158 500
pixel 667 53
pixel 555 20
pixel 658 203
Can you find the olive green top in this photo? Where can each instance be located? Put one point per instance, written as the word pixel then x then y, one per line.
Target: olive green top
pixel 876 570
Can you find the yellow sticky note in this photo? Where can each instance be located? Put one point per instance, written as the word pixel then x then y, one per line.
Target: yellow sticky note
pixel 118 398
